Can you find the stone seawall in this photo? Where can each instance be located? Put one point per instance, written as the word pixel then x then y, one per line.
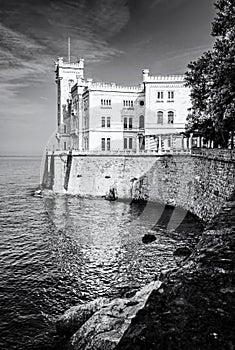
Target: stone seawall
pixel 197 184
pixel 200 182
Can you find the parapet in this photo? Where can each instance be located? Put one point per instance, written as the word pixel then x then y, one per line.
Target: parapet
pixel 64 64
pixel 112 87
pixel 165 78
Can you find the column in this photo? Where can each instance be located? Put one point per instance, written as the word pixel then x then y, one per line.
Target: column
pixel 198 141
pixel 190 141
pixel 160 144
pixel 80 122
pixel 137 143
pixel 171 138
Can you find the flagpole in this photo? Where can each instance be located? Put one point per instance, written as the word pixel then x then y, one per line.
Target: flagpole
pixel 69 49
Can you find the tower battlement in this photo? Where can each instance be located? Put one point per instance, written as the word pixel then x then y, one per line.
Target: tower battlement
pixel 164 78
pixel 60 63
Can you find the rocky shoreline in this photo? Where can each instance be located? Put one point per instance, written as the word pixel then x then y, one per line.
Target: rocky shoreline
pixel 195 306
pixel 101 323
pixel 191 307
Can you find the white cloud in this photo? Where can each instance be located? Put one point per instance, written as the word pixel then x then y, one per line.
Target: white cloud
pixel 26 57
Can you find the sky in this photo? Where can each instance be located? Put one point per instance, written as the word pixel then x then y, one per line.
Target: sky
pixel 117 39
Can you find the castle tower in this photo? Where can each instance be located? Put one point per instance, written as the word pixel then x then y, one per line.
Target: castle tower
pixel 67 74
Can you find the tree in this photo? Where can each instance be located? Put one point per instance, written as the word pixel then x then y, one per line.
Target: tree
pixel 212 81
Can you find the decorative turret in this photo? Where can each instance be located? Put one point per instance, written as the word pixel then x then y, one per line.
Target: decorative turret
pixel 67 74
pixel 145 74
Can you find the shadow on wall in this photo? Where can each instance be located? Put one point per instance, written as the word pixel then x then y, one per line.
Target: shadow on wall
pixel 199 185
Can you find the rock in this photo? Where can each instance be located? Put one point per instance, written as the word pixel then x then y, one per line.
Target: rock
pixel 104 329
pixel 76 316
pixel 182 251
pixel 148 238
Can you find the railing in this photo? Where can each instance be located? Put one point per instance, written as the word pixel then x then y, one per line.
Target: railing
pixel 124 153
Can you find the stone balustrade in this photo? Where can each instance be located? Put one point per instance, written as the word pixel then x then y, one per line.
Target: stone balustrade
pixel 133 153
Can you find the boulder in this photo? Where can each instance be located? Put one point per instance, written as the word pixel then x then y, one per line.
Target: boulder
pixel 148 238
pixel 182 251
pixel 76 316
pixel 104 329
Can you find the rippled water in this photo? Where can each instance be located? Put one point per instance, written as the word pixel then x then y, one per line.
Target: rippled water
pixel 64 250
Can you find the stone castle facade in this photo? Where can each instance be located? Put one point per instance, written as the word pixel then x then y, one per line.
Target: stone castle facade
pixel 93 116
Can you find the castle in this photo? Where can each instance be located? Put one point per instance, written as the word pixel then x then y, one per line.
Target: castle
pixel 103 117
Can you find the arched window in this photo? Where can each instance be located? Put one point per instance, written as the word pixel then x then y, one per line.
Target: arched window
pixel 141 122
pixel 170 117
pixel 160 117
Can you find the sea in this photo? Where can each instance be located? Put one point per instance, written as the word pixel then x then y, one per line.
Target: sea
pixel 61 250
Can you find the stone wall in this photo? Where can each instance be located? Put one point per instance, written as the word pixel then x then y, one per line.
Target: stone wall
pixel 200 182
pixel 94 175
pixel 199 185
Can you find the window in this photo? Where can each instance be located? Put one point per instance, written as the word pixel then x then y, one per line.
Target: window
pixel 160 117
pixel 128 143
pixel 65 129
pixel 160 95
pixel 169 141
pixel 85 121
pixel 128 123
pixel 141 103
pixel 65 146
pixel 128 103
pixel 105 102
pixel 141 122
pixel 86 142
pixel 103 122
pixel 170 117
pixel 103 144
pixel 85 104
pixel 108 144
pixel 171 95
pixel 125 123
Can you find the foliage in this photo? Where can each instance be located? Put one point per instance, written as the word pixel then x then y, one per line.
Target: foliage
pixel 212 81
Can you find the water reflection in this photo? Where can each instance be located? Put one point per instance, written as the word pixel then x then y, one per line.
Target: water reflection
pixel 69 250
pixel 99 243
